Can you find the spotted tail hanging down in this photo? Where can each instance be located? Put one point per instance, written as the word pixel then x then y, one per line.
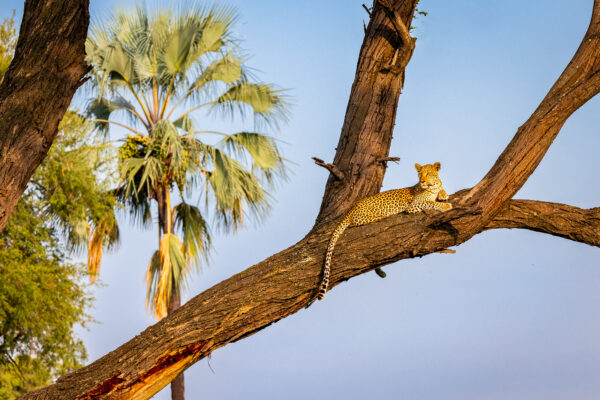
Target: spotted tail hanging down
pixel 332 241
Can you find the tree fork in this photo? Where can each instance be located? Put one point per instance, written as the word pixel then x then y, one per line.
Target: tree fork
pixel 283 283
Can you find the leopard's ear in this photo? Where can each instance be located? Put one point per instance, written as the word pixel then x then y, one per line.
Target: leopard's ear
pixel 437 166
pixel 418 167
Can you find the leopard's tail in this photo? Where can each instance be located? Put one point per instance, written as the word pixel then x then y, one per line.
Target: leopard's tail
pixel 327 268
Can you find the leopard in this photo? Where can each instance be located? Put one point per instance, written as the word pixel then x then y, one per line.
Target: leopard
pixel 427 194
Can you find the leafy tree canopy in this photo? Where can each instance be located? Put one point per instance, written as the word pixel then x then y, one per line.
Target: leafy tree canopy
pixel 8 41
pixel 42 297
pixel 42 294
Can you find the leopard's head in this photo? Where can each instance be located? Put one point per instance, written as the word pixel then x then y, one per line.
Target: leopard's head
pixel 428 176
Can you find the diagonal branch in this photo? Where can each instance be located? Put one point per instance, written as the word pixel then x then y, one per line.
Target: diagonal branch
pixel 578 224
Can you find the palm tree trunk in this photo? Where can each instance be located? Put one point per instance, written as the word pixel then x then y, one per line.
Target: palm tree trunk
pixel 177 384
pixel 165 222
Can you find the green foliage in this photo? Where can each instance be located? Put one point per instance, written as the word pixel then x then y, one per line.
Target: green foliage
pixel 158 70
pixel 42 294
pixel 73 182
pixel 24 375
pixel 418 13
pixel 42 297
pixel 8 42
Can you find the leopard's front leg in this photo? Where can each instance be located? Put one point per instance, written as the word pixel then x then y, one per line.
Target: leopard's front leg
pixel 435 205
pixel 442 195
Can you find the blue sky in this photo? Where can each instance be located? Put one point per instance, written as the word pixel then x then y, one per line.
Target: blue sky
pixel 513 314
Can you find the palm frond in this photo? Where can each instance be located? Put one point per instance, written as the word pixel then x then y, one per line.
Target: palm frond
pixel 168 143
pixel 233 188
pixel 137 203
pixel 184 123
pixel 118 65
pixel 268 104
pixel 262 148
pixel 166 273
pixel 140 175
pixel 177 51
pixel 227 69
pixel 101 109
pixel 196 234
pixel 104 236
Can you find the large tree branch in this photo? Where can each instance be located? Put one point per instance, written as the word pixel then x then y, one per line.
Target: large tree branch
pixel 252 300
pixel 283 284
pixel 47 68
pixel 578 224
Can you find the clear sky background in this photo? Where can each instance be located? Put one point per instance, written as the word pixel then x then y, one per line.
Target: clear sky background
pixel 512 315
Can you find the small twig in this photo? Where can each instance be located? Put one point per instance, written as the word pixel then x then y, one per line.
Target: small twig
pixel 446 251
pixel 208 362
pixel 365 27
pixel 330 167
pixel 367 10
pixel 384 160
pixel 380 273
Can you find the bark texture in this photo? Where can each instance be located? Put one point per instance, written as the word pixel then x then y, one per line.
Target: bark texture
pixel 285 282
pixel 577 224
pixel 47 68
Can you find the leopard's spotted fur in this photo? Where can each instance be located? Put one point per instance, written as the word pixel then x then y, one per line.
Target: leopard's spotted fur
pixel 422 196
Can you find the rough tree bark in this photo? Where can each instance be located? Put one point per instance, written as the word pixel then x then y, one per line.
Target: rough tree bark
pixel 285 282
pixel 561 220
pixel 47 68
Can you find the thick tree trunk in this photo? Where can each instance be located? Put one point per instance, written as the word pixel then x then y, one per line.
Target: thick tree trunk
pixel 47 68
pixel 285 282
pixel 371 112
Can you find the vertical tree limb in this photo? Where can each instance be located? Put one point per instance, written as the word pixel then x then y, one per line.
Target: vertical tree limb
pixel 47 68
pixel 370 115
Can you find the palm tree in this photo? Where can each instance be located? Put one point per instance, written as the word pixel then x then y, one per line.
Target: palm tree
pixel 157 71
